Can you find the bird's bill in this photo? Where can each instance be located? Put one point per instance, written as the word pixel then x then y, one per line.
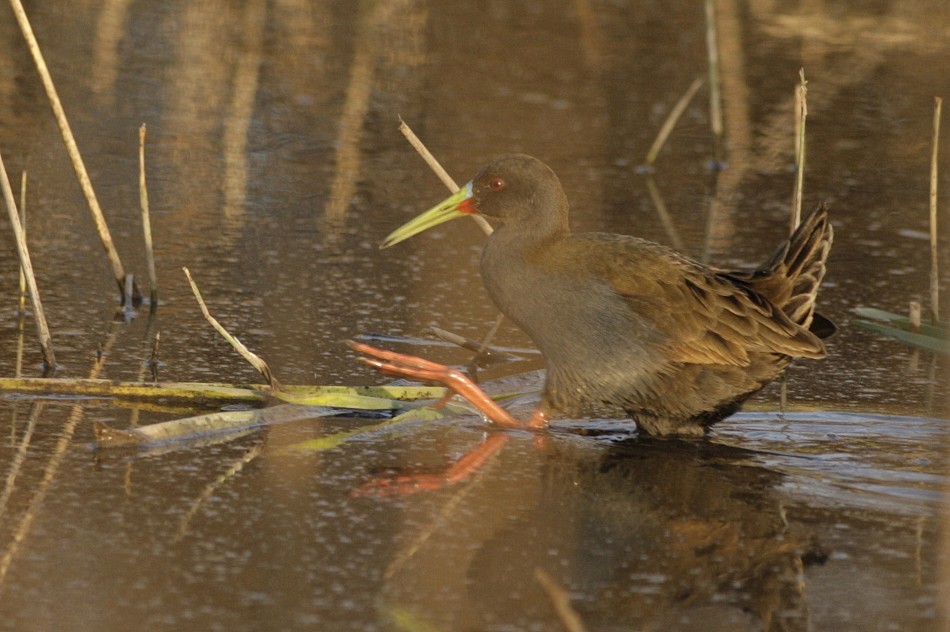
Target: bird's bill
pixel 458 205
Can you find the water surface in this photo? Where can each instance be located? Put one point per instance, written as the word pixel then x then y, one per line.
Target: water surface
pixel 275 167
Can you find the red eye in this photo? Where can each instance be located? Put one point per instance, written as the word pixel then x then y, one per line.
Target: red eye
pixel 496 184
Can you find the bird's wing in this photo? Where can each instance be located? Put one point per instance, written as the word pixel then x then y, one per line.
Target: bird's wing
pixel 707 316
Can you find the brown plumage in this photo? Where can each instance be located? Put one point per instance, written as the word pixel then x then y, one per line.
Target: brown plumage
pixel 620 320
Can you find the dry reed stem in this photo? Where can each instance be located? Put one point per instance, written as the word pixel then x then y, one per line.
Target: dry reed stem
pixel 934 276
pixel 246 353
pixel 22 303
pixel 42 329
pixel 21 327
pixel 423 151
pixel 712 51
pixel 71 148
pixel 672 119
pixel 561 601
pixel 147 223
pixel 443 175
pixel 801 93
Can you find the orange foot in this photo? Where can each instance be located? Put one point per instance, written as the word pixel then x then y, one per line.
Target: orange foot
pixel 420 369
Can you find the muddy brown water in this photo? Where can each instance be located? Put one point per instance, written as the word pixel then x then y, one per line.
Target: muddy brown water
pixel 275 167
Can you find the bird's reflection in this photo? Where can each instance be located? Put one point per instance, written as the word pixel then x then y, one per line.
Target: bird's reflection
pixel 644 534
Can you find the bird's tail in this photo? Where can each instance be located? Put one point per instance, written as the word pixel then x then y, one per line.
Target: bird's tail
pixel 791 276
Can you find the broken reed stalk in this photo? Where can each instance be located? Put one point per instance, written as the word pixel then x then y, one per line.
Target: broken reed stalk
pixel 934 276
pixel 443 175
pixel 147 224
pixel 42 329
pixel 913 315
pixel 71 148
pixel 246 353
pixel 712 52
pixel 671 120
pixel 418 145
pixel 801 92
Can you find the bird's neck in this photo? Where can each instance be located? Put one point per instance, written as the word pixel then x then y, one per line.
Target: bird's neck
pixel 535 232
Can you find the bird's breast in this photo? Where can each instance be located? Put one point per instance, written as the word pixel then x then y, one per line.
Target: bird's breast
pixel 594 345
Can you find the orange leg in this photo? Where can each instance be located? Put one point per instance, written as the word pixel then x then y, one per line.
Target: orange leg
pixel 415 368
pixel 459 472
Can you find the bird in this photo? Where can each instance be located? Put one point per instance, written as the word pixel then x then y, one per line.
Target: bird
pixel 620 320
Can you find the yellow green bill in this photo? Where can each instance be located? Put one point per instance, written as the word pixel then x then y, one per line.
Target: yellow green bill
pixel 457 205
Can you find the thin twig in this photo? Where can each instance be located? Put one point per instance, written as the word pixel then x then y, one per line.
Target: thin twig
pixel 934 276
pixel 801 92
pixel 71 148
pixel 42 329
pixel 671 120
pixel 147 224
pixel 246 353
pixel 443 175
pixel 490 353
